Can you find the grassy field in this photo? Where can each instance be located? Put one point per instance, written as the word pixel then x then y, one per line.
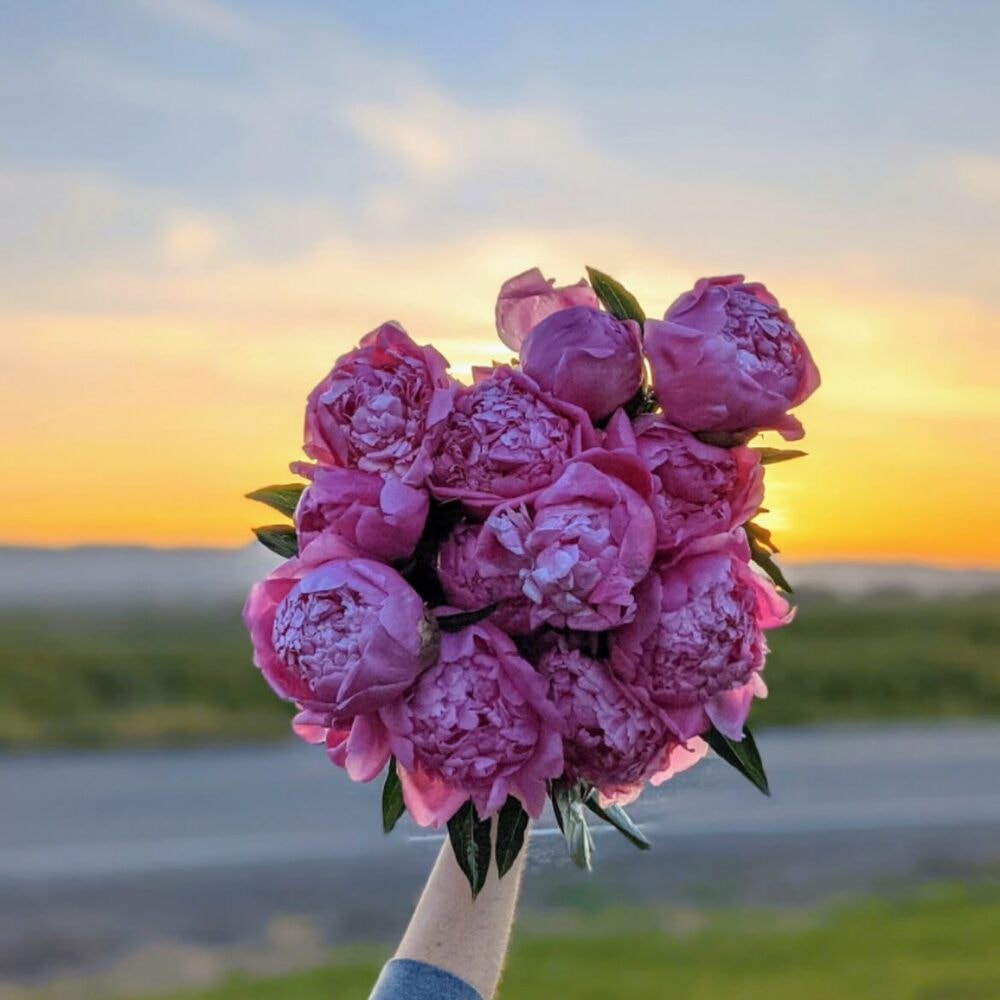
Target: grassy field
pixel 148 677
pixel 940 945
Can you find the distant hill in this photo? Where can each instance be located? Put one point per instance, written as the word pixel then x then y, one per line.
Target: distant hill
pixel 102 575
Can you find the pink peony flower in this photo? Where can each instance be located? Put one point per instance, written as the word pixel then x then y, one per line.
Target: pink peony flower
pixel 613 739
pixel 381 518
pixel 503 438
pixel 726 357
pixel 585 357
pixel 360 746
pixel 476 725
pixel 581 545
pixel 470 583
pixel 700 489
pixel 339 634
pixel 526 300
pixel 372 411
pixel 697 645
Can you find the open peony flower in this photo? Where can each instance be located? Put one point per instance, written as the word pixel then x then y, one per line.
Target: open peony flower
pixel 613 739
pixel 372 411
pixel 471 583
pixel 339 634
pixel 581 545
pixel 359 745
pixel 503 438
pixel 526 299
pixel 697 644
pixel 587 357
pixel 726 357
pixel 476 725
pixel 381 518
pixel 700 489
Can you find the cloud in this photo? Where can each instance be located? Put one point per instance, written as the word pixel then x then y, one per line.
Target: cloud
pixel 206 18
pixel 191 239
pixel 436 137
pixel 974 175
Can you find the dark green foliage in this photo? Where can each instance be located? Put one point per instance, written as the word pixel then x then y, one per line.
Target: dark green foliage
pixel 742 755
pixel 470 840
pixel 393 806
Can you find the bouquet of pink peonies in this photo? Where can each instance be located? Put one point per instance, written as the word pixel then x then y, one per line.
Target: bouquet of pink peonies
pixel 540 585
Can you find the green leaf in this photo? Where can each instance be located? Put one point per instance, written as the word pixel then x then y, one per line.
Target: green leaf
pixel 644 401
pixel 282 498
pixel 617 299
pixel 512 822
pixel 761 550
pixel 725 439
pixel 770 456
pixel 393 806
pixel 470 840
pixel 619 819
pixel 742 754
pixel 760 535
pixel 279 538
pixel 763 559
pixel 567 803
pixel 462 619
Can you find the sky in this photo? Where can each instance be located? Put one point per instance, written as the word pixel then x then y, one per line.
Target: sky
pixel 203 204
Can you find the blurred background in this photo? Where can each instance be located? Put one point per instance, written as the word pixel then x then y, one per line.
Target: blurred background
pixel 202 204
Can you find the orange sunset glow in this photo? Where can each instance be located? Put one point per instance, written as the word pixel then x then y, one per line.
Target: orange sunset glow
pixel 162 319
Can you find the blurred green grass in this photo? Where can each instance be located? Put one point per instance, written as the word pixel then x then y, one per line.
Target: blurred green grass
pixel 937 945
pixel 147 676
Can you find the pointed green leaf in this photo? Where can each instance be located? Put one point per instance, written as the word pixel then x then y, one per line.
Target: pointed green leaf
pixel 771 456
pixel 617 299
pixel 760 535
pixel 470 840
pixel 393 806
pixel 761 550
pixel 568 807
pixel 282 498
pixel 742 754
pixel 763 559
pixel 619 819
pixel 512 822
pixel 279 538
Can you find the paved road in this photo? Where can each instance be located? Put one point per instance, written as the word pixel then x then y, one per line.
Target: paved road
pixel 102 853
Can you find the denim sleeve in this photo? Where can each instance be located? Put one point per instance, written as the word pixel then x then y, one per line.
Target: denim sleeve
pixel 405 979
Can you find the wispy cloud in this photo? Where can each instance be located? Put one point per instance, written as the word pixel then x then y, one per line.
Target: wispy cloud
pixel 438 136
pixel 206 18
pixel 973 175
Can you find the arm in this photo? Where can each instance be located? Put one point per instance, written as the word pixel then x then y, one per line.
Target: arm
pixel 452 932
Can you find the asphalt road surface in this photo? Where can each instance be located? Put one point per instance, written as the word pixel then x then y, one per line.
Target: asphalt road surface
pixel 102 854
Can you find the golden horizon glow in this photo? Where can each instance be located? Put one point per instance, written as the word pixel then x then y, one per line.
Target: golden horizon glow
pixel 148 427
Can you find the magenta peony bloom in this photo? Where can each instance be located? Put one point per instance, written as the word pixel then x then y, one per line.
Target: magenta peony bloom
pixel 697 645
pixel 726 357
pixel 476 725
pixel 613 739
pixel 470 583
pixel 585 357
pixel 503 438
pixel 360 746
pixel 339 634
pixel 581 545
pixel 372 411
pixel 700 489
pixel 526 300
pixel 381 518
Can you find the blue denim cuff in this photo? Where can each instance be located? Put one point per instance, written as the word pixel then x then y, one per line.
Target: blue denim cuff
pixel 405 979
